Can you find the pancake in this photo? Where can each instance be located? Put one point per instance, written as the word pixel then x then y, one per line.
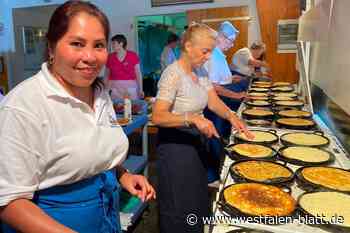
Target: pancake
pixel 283 94
pixel 328 177
pixel 259 89
pixel 257 112
pixel 258 122
pixel 258 98
pixel 327 204
pixel 258 103
pixel 262 82
pixel 295 122
pixel 305 139
pixel 259 136
pixel 282 98
pixel 294 113
pixel 260 171
pixel 277 84
pixel 257 94
pixel 306 154
pixel 292 103
pixel 259 199
pixel 252 150
pixel 283 88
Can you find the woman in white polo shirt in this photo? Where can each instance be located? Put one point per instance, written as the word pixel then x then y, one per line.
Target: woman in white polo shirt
pixel 59 149
pixel 246 60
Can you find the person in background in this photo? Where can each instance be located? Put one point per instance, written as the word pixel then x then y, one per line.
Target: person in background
pixel 58 172
pixel 183 132
pixel 1 96
pixel 168 55
pixel 123 71
pixel 218 68
pixel 248 61
pixel 230 90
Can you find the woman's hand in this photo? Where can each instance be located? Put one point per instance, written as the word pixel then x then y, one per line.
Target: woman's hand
pixel 236 79
pixel 204 125
pixel 239 125
pixel 137 185
pixel 238 95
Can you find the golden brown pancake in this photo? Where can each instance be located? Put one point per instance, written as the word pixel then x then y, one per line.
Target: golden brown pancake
pixel 259 199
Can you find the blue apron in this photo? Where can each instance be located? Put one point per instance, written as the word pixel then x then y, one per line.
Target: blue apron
pixel 88 206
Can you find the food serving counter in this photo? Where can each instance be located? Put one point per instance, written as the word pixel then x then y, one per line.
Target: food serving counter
pixel 227 215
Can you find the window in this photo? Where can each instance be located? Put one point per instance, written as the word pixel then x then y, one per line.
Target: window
pixel 287 36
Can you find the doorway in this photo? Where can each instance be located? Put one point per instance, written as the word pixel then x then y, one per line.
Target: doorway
pixel 152 33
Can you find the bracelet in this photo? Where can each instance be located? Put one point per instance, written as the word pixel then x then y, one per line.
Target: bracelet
pixel 121 171
pixel 228 114
pixel 186 123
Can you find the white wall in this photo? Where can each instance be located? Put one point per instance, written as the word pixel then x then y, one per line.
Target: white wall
pixel 121 14
pixel 326 27
pixel 21 16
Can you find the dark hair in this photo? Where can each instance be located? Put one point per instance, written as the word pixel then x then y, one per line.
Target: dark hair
pixel 262 57
pixel 61 18
pixel 258 45
pixel 172 38
pixel 120 38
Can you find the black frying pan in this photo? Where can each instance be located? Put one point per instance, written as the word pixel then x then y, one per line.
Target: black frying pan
pixel 234 212
pixel 249 116
pixel 281 124
pixel 306 214
pixel 267 143
pixel 278 181
pixel 309 186
pixel 319 133
pixel 298 162
pixel 234 155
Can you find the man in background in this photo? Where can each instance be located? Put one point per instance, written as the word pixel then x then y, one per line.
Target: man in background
pixel 229 90
pixel 168 55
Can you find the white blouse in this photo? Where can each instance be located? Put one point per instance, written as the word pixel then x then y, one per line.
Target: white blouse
pixel 182 92
pixel 240 61
pixel 50 138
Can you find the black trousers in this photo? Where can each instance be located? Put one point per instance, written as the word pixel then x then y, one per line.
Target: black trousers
pixel 183 189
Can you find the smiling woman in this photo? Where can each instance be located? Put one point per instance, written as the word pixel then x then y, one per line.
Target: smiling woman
pixel 54 178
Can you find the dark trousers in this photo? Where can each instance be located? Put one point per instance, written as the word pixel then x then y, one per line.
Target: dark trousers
pixel 182 180
pixel 223 127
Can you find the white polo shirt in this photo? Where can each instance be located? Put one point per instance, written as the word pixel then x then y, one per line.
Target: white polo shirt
pixel 50 138
pixel 240 61
pixel 217 68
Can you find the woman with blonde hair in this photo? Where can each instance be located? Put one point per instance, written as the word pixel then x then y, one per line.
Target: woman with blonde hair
pixel 183 92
